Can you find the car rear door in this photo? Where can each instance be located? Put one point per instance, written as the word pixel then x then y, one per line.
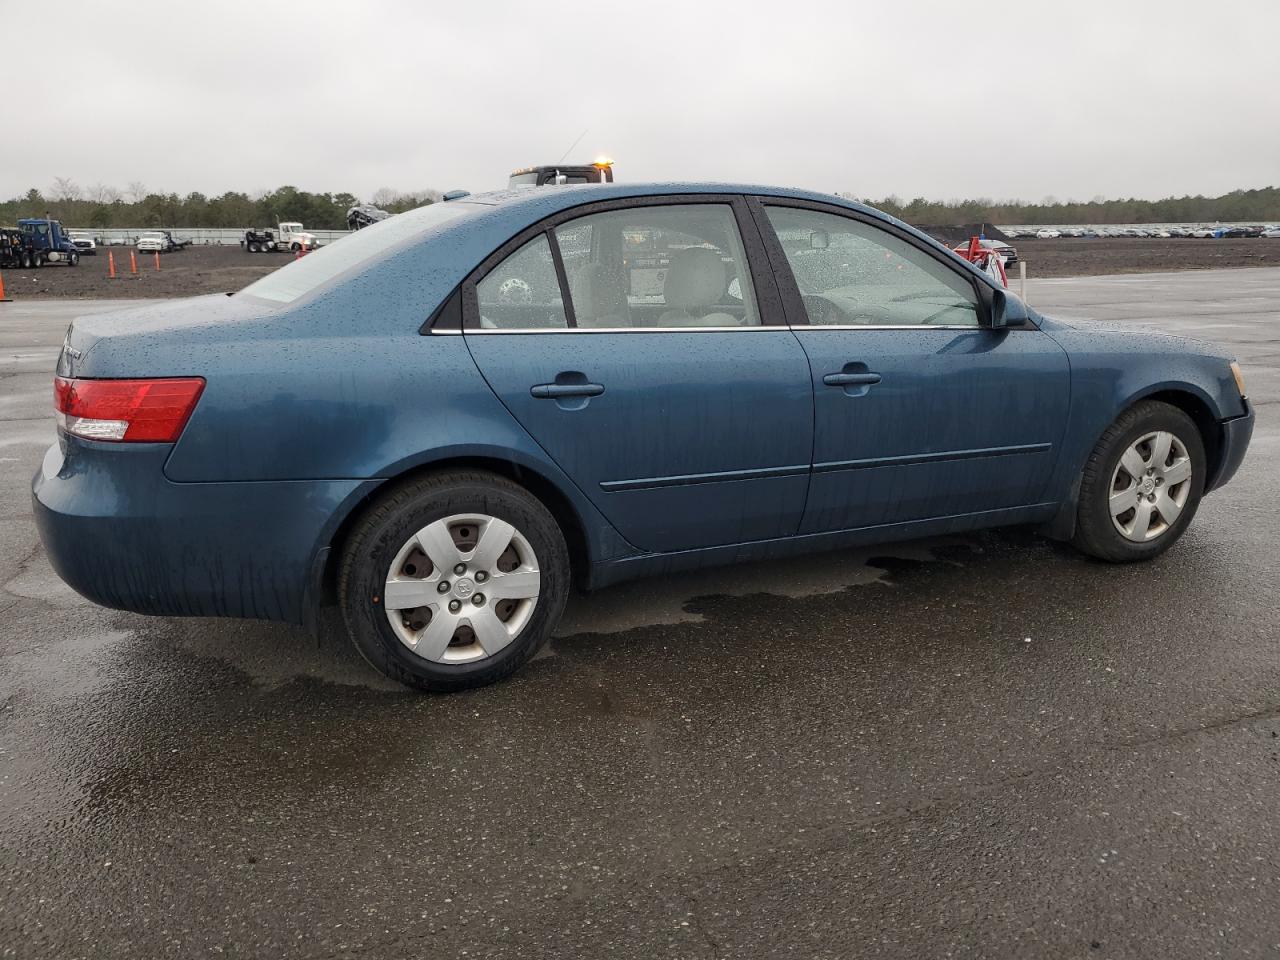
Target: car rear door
pixel 676 397
pixel 921 410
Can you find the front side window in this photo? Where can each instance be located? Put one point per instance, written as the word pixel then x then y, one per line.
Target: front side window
pixel 522 292
pixel 852 273
pixel 658 266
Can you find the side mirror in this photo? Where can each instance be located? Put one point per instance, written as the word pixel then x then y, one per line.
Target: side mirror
pixel 1005 309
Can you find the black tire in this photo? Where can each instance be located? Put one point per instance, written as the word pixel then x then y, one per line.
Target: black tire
pixel 389 523
pixel 73 260
pixel 295 247
pixel 253 246
pixel 37 261
pixel 26 262
pixel 1096 533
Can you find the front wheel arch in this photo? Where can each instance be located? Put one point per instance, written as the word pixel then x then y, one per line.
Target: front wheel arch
pixel 1063 524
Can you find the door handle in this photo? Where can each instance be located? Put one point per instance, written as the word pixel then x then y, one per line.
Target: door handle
pixel 850 379
pixel 554 391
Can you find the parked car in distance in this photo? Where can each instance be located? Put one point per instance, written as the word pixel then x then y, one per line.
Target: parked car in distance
pixel 1204 233
pixel 451 418
pixel 1272 233
pixel 1047 234
pixel 85 243
pixel 154 241
pixel 1006 250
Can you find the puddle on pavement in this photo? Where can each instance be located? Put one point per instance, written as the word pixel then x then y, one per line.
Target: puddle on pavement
pixel 665 600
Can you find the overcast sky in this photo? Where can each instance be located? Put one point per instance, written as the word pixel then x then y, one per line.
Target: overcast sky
pixel 938 99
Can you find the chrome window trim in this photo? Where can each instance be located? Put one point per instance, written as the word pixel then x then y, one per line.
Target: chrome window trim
pixel 558 330
pixel 890 326
pixel 756 328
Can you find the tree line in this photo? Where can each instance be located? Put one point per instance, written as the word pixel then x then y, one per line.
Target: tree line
pixel 1237 206
pixel 103 207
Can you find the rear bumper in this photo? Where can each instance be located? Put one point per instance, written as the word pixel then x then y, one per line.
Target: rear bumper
pixel 123 536
pixel 1236 434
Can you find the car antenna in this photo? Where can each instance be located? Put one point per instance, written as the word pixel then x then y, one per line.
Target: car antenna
pixel 574 144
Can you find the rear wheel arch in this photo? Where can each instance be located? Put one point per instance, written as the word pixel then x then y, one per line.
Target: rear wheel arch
pixel 536 483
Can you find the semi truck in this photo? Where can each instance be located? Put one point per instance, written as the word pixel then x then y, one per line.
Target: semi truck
pixel 48 242
pixel 286 236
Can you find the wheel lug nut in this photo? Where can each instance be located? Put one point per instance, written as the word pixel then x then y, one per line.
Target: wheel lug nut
pixel 455 606
pixel 481 576
pixel 478 599
pixel 443 586
pixel 460 569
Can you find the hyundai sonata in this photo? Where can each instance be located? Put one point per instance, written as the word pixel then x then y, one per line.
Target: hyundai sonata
pixel 446 421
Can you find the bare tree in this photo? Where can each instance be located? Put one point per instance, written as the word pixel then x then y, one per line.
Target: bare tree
pixel 136 191
pixel 64 188
pixel 385 196
pixel 101 193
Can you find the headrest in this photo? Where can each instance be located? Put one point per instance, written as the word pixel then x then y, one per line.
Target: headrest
pixel 695 279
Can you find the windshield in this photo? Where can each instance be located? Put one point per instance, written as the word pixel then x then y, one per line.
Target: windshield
pixel 318 268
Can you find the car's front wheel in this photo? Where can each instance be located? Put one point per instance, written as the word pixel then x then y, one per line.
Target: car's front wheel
pixel 1141 485
pixel 453 580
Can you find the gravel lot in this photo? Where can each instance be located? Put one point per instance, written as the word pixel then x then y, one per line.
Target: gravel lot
pixel 986 746
pixel 198 270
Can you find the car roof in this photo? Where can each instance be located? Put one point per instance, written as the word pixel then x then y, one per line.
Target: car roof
pixel 568 195
pixel 526 205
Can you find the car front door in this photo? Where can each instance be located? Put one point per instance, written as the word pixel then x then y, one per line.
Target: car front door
pixel 643 345
pixel 922 410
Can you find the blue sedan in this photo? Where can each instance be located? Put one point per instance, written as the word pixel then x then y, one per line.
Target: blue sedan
pixel 446 421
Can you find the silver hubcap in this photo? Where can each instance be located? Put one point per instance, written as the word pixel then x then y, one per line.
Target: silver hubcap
pixel 1150 486
pixel 462 588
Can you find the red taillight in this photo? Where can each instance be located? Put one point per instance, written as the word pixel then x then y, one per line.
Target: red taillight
pixel 133 411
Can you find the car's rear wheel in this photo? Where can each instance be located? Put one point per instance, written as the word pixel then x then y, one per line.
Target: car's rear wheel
pixel 453 580
pixel 1141 485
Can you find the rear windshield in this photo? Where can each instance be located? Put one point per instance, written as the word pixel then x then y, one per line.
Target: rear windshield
pixel 319 267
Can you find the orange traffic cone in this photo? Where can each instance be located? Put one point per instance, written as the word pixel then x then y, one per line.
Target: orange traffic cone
pixel 3 298
pixel 111 265
pixel 133 263
pixel 157 259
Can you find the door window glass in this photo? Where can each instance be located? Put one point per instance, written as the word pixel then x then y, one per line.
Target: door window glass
pixel 656 266
pixel 522 292
pixel 850 272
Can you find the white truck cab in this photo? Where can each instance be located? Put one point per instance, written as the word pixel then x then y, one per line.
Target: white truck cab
pixel 291 236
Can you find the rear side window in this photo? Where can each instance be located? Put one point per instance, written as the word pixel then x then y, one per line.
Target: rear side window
pixel 658 266
pixel 522 292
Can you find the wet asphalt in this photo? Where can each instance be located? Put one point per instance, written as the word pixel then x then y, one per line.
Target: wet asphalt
pixel 983 746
